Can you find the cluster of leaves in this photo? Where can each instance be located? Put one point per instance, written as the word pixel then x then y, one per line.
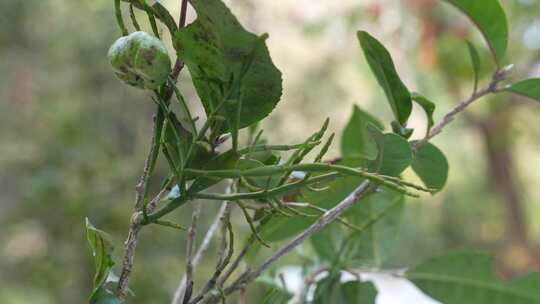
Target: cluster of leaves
pixel 238 86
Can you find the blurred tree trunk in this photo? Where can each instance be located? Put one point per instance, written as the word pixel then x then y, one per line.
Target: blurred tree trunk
pixel 520 255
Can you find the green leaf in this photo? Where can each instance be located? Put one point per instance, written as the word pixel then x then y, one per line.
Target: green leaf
pixel 355 292
pixel 328 241
pixel 380 217
pixel 528 88
pixel 228 63
pixel 395 155
pixel 468 278
pixel 428 106
pixel 355 140
pixel 382 66
pixel 430 164
pixel 490 18
pixel 102 248
pixel 475 61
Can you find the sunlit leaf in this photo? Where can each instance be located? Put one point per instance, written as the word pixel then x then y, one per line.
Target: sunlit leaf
pixel 227 62
pixel 469 278
pixel 490 18
pixel 430 164
pixel 428 106
pixel 528 88
pixel 382 66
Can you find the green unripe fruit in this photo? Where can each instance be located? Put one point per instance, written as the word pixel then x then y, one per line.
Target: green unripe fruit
pixel 140 60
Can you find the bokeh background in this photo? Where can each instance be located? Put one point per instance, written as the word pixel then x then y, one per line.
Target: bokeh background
pixel 73 138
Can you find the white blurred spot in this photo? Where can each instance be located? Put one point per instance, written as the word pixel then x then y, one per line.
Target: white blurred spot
pixel 392 289
pixel 531 37
pixel 174 193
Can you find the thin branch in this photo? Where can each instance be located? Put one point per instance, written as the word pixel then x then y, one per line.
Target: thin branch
pixel 127 263
pixel 190 246
pixel 242 253
pixel 224 255
pixel 179 292
pixel 492 87
pixel 183 11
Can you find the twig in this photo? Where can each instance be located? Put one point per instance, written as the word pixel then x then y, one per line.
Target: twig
pixel 127 263
pixel 190 246
pixel 498 76
pixel 224 255
pixel 179 292
pixel 183 10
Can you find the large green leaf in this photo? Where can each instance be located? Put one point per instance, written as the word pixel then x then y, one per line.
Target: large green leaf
pixel 489 17
pixel 528 88
pixel 382 66
pixel 380 217
pixel 468 278
pixel 355 140
pixel 229 63
pixel 430 164
pixel 102 248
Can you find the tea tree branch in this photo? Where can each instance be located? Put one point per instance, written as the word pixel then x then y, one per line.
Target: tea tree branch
pixel 499 76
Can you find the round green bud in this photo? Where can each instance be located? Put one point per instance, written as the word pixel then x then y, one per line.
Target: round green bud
pixel 140 60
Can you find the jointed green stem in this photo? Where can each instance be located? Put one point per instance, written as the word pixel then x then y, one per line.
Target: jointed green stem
pixel 310 167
